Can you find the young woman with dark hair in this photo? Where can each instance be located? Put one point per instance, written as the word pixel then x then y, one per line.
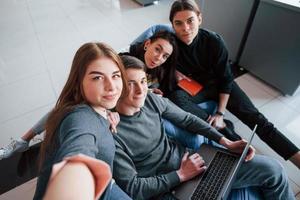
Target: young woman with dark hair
pixel 159 53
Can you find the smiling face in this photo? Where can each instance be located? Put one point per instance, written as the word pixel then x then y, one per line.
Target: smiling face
pixel 157 52
pixel 186 25
pixel 137 92
pixel 102 84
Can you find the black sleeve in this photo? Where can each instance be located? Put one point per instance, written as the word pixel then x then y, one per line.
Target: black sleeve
pixel 221 65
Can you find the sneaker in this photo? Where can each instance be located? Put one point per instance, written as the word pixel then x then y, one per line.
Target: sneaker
pixel 19 145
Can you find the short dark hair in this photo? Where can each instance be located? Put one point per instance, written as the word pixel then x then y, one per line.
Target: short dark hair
pixel 131 62
pixel 181 5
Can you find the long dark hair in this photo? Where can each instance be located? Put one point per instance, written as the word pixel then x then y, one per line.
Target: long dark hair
pixel 72 93
pixel 165 73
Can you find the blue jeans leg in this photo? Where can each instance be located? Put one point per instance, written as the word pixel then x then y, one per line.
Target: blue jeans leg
pixel 117 193
pixel 267 174
pixel 262 175
pixel 248 193
pixel 185 138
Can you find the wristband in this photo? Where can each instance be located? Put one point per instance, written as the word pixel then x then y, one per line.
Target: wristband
pixel 220 113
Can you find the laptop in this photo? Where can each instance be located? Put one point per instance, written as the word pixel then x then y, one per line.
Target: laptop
pixel 215 183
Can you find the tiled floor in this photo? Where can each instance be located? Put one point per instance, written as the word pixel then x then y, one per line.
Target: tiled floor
pixel 24 191
pixel 38 39
pixel 275 107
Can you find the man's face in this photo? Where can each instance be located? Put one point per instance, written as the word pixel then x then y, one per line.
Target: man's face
pixel 186 25
pixel 137 89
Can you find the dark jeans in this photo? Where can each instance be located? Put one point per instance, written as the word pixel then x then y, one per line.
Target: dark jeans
pixel 241 106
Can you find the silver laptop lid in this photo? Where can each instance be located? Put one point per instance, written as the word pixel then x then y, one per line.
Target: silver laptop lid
pixel 241 160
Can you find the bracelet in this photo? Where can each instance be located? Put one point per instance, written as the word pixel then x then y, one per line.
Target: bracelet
pixel 220 113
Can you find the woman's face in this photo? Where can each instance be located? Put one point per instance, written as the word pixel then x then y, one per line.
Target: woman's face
pixel 157 52
pixel 186 25
pixel 102 84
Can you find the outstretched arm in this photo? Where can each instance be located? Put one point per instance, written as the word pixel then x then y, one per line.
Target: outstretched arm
pixel 94 176
pixel 66 185
pixel 186 120
pixel 78 138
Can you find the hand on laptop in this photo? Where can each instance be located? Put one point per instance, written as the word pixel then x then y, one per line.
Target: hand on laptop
pixel 191 166
pixel 238 147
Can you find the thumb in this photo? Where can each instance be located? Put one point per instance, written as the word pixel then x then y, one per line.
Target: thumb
pixel 113 129
pixel 241 142
pixel 210 120
pixel 185 156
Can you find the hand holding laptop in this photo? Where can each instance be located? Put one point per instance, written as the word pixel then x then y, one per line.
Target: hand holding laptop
pixel 190 166
pixel 222 166
pixel 238 147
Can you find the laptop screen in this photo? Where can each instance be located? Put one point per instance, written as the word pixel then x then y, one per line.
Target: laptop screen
pixel 241 160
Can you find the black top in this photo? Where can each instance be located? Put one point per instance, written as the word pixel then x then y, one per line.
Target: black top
pixel 206 60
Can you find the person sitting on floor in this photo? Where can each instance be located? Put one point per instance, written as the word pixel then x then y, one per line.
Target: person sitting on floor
pixel 148 164
pixel 77 134
pixel 159 52
pixel 203 57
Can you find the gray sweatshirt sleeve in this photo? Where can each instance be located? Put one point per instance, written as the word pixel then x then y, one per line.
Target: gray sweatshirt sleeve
pixel 184 119
pixel 140 188
pixel 77 135
pixel 39 127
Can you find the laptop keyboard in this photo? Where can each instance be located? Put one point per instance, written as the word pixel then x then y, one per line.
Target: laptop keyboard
pixel 214 177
